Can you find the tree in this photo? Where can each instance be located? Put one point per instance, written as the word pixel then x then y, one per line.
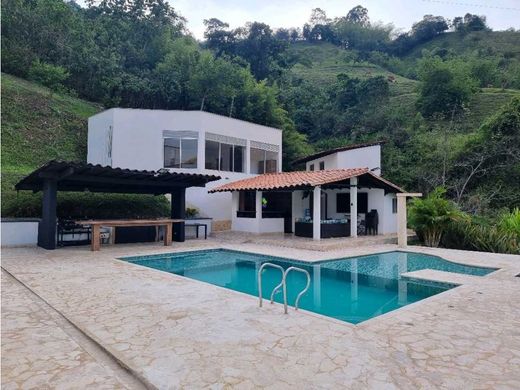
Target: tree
pixel 469 23
pixel 49 75
pixel 318 16
pixel 428 28
pixel 445 86
pixel 358 15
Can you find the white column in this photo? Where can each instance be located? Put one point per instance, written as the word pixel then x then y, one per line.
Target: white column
pixel 248 158
pixel 235 196
pixel 316 214
pixel 353 207
pixel 402 236
pixel 258 205
pixel 201 151
pixel 296 205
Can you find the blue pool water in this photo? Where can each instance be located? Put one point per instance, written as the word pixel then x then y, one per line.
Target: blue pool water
pixel 351 289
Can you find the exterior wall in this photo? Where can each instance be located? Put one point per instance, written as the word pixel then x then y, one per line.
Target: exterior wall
pixel 98 145
pixel 369 157
pixel 137 143
pixel 19 232
pixel 331 162
pixel 390 218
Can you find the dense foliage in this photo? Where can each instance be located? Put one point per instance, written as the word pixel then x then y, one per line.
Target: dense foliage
pixel 439 94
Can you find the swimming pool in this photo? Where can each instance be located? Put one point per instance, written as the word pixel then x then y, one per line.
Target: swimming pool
pixel 350 289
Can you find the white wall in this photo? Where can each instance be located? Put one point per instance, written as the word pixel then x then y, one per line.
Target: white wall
pixel 366 157
pixel 331 162
pixel 137 143
pixel 97 144
pixel 19 233
pixel 369 157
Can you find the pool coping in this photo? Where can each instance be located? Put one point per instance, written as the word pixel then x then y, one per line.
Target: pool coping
pixel 389 314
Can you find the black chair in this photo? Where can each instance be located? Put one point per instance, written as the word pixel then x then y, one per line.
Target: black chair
pixel 70 228
pixel 372 222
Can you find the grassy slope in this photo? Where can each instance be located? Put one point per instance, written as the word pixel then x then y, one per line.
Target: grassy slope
pixel 328 61
pixel 488 43
pixel 37 127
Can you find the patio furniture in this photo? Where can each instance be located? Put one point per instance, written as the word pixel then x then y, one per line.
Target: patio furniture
pixel 196 226
pixel 96 225
pixel 372 222
pixel 67 227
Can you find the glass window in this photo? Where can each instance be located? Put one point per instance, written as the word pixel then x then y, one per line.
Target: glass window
pixel 180 152
pixel 189 153
pixel 238 158
pixel 257 160
pixel 226 157
pixel 394 205
pixel 172 152
pixel 311 167
pixel 322 165
pixel 271 162
pixel 212 155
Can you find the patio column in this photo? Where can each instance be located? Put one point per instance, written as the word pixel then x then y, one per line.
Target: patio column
pixel 47 225
pixel 316 214
pixel 258 207
pixel 178 211
pixel 353 206
pixel 402 235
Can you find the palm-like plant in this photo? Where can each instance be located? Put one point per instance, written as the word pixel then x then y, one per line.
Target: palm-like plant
pixel 431 216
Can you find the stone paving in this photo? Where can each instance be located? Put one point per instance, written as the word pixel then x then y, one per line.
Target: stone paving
pixel 173 332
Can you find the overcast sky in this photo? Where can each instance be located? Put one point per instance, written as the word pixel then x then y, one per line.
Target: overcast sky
pixel 501 14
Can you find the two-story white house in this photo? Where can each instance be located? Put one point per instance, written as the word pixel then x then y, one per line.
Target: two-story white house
pixel 186 141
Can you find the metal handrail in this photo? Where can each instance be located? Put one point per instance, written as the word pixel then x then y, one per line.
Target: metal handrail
pixel 282 284
pixel 304 290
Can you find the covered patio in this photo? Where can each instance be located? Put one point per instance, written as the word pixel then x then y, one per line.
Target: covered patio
pixel 316 204
pixel 57 176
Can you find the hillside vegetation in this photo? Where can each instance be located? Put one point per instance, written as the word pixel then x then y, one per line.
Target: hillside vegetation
pixel 444 95
pixel 39 125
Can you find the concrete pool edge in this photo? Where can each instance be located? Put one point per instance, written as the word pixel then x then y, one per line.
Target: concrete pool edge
pixel 411 313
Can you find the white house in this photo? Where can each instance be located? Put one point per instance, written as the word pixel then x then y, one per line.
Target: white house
pixel 186 141
pixel 341 193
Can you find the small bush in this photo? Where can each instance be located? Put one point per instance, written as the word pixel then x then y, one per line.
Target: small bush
pixel 431 216
pixel 510 222
pixel 49 75
pixel 472 234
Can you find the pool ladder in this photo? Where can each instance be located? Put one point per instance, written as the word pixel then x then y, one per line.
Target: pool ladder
pixel 282 284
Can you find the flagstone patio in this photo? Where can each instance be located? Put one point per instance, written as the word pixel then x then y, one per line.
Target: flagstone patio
pixel 174 332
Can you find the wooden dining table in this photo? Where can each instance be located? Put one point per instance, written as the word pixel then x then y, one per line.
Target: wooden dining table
pixel 96 224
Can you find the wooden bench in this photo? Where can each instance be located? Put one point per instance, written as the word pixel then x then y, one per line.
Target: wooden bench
pixel 96 226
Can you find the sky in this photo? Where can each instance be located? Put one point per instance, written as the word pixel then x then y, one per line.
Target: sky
pixel 501 14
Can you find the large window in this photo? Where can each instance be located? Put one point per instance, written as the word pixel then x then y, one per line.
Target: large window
pixel 224 157
pixel 263 161
pixel 180 152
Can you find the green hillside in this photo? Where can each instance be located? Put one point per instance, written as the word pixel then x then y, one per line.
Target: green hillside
pixel 321 62
pixel 38 126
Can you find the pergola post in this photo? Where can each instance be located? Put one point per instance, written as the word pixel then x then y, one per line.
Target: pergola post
pixel 353 206
pixel 178 211
pixel 258 207
pixel 47 226
pixel 316 214
pixel 402 234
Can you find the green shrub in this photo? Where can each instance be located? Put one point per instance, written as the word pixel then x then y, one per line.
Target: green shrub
pixel 191 212
pixel 430 217
pixel 472 234
pixel 510 222
pixel 51 76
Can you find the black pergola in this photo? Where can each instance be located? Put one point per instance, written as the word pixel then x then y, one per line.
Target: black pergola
pixel 57 176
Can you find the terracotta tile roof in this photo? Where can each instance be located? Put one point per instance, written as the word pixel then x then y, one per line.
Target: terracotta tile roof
pixel 282 180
